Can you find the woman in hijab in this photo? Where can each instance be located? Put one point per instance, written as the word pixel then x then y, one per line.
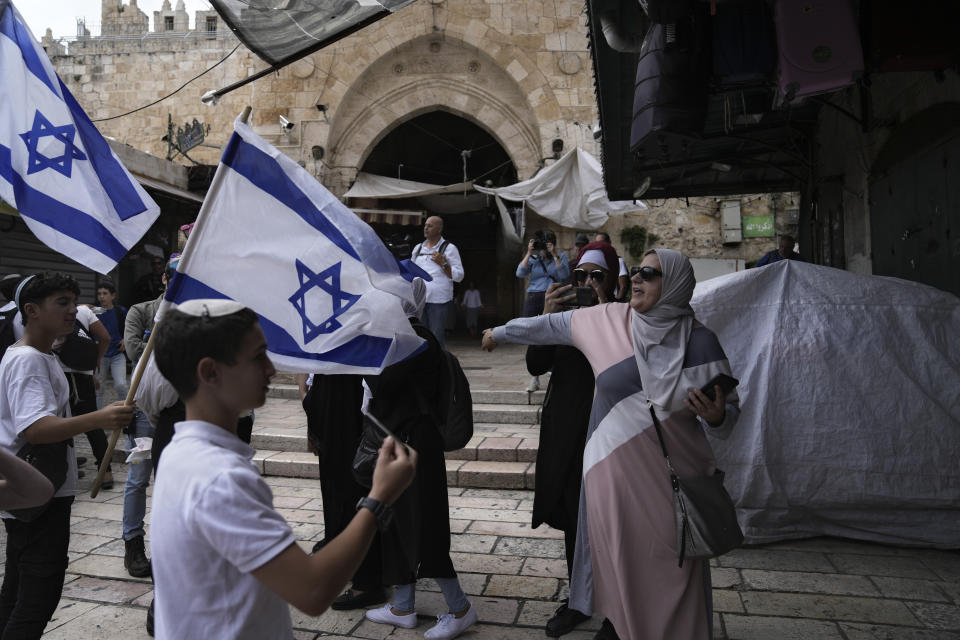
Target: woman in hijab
pixel 650 352
pixel 417 542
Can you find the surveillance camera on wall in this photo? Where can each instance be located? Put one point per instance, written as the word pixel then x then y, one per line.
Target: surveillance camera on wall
pixel 286 124
pixel 597 134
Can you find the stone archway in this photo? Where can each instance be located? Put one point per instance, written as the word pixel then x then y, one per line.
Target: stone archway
pixel 426 75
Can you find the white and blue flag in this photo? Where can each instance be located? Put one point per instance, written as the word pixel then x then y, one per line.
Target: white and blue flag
pixel 328 292
pixel 55 167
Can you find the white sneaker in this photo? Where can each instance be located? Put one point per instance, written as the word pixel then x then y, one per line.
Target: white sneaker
pixel 385 615
pixel 534 385
pixel 449 626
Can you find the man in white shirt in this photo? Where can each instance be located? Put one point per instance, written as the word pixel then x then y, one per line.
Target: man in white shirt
pixel 226 564
pixel 8 312
pixel 441 259
pixel 35 410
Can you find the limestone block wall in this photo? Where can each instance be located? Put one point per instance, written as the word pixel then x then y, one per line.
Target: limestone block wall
pixel 693 227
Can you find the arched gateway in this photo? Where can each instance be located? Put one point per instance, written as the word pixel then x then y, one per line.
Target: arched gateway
pixel 441 111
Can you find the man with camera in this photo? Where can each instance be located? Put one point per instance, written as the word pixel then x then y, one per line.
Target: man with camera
pixel 544 265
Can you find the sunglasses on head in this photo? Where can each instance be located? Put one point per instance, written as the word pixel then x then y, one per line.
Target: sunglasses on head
pixel 580 275
pixel 645 273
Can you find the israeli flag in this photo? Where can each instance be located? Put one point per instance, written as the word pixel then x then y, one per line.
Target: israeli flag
pixel 55 167
pixel 328 292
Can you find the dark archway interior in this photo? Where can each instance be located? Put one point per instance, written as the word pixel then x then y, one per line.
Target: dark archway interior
pixel 429 148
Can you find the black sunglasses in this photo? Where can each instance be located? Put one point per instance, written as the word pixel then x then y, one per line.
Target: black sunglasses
pixel 580 275
pixel 645 273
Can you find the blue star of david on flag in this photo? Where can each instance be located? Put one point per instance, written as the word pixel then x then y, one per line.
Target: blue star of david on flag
pixel 43 128
pixel 327 280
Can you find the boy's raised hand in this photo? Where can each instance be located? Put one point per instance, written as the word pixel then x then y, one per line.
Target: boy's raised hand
pixel 116 415
pixel 394 471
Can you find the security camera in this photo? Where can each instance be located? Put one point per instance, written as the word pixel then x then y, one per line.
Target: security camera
pixel 286 124
pixel 597 134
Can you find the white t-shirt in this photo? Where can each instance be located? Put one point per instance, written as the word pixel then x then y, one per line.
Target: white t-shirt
pixel 17 327
pixel 440 289
pixel 32 386
pixel 471 299
pixel 86 318
pixel 213 523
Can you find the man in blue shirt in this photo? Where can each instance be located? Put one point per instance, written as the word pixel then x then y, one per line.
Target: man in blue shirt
pixel 784 252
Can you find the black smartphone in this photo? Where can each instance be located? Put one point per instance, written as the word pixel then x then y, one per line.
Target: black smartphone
pixel 386 432
pixel 725 382
pixel 584 296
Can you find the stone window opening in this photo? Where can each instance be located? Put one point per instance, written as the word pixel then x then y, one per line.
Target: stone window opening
pixel 168 23
pixel 211 24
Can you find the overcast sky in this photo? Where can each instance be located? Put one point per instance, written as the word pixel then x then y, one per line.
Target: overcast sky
pixel 61 15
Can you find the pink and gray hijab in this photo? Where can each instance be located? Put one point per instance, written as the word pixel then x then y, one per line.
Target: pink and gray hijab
pixel 660 335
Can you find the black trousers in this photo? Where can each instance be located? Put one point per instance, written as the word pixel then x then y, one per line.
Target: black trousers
pixel 83 400
pixel 36 566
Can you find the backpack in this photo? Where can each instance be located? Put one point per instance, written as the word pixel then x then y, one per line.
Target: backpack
pixel 6 329
pixel 79 351
pixel 454 407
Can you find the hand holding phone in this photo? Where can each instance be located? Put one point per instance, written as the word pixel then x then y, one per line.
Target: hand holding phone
pixel 722 380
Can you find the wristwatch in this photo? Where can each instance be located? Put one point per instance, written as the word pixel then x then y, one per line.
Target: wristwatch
pixel 382 512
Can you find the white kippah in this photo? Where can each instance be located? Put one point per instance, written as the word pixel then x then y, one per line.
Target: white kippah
pixel 210 308
pixel 593 256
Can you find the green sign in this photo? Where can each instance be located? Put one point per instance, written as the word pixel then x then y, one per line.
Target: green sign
pixel 758 227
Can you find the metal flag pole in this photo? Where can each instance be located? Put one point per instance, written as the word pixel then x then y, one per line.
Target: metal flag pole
pixel 137 375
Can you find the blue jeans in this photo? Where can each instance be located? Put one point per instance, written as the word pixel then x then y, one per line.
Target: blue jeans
pixel 404 596
pixel 117 366
pixel 138 478
pixel 435 317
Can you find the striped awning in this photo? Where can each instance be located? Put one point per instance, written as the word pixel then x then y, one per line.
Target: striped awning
pixel 388 216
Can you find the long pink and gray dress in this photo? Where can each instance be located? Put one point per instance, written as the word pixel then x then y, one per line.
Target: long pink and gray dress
pixel 625 567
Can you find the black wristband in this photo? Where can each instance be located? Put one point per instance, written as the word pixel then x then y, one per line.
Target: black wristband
pixel 382 512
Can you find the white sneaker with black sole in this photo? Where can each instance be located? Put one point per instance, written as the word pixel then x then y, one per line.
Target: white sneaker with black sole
pixel 385 615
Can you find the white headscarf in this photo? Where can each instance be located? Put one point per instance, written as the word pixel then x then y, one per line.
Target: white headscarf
pixel 660 335
pixel 414 308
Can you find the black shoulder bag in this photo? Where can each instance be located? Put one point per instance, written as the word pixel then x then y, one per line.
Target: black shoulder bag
pixel 50 460
pixel 704 513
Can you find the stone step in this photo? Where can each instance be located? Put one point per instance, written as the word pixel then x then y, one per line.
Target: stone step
pixel 479 396
pixel 492 442
pixel 506 413
pixel 460 473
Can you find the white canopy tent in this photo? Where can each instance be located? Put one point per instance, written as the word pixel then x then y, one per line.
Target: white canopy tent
pixel 569 192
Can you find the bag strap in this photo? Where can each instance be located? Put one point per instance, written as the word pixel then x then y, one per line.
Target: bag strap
pixel 675 483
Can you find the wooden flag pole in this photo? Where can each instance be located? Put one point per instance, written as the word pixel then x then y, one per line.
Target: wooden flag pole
pixel 135 382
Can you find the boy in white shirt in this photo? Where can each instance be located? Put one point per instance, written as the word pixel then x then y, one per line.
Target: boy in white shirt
pixel 225 562
pixel 34 409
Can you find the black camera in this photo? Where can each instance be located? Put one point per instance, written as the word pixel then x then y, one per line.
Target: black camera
pixel 539 240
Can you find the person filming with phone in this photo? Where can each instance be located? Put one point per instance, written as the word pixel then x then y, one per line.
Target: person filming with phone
pixel 651 358
pixel 544 265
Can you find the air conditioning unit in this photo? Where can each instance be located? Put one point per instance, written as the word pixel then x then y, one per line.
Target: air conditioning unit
pixel 730 221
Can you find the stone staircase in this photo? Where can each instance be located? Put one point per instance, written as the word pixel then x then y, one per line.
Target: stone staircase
pixel 501 454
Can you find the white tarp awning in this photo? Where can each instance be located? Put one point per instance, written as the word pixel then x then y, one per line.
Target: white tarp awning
pixel 569 192
pixel 369 185
pixel 850 392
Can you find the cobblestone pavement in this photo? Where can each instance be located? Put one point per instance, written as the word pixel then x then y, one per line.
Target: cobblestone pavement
pixel 515 575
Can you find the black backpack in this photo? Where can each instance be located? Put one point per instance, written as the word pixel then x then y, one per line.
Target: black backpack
pixel 79 351
pixel 6 329
pixel 453 410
